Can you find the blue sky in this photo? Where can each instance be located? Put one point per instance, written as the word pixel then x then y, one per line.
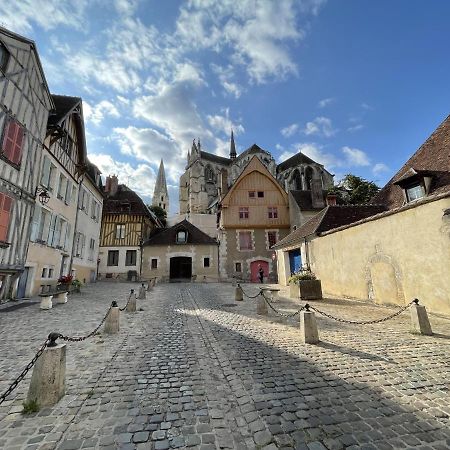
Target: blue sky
pixel 357 85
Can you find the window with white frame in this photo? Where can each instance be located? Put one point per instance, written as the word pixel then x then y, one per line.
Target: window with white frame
pixel 271 238
pixel 120 231
pixel 415 192
pixel 62 187
pixel 243 212
pixel 181 237
pixel 272 212
pixel 245 240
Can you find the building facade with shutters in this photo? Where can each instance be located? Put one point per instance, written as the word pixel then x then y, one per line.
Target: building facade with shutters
pixel 25 102
pixel 63 165
pixel 254 215
pixel 126 224
pixel 88 222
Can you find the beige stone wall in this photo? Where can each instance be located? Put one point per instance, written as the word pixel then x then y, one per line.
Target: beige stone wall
pixel 390 260
pixel 163 253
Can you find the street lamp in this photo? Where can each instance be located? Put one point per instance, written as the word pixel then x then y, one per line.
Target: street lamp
pixel 44 197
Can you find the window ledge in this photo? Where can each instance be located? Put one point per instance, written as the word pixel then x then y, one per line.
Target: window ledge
pixel 4 244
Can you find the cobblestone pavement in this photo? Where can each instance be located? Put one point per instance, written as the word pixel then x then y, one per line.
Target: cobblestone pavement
pixel 197 369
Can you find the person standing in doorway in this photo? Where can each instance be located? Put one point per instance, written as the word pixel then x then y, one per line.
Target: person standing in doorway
pixel 261 274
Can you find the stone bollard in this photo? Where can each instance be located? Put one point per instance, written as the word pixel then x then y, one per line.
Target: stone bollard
pixel 142 293
pixel 149 285
pixel 308 327
pixel 261 305
pixel 48 381
pixel 419 319
pixel 61 298
pixel 113 319
pixel 131 304
pixel 238 296
pixel 154 281
pixel 46 302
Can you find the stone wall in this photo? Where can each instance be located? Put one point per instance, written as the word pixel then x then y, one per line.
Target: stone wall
pixel 390 260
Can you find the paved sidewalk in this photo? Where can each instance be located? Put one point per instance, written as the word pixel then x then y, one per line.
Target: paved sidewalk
pixel 196 369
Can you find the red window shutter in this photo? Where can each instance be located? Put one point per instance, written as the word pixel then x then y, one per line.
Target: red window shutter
pixel 5 212
pixel 12 142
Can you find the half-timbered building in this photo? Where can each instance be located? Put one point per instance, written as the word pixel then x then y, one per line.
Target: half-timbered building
pixel 25 102
pixel 127 223
pixel 63 164
pixel 254 216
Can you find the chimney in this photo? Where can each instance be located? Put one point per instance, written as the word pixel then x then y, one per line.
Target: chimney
pixel 317 200
pixel 111 185
pixel 331 200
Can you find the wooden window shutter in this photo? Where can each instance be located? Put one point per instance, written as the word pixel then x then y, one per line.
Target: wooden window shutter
pixel 5 212
pixel 12 142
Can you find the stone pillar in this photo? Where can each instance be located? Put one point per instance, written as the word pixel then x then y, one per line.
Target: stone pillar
pixel 238 294
pixel 48 381
pixel 131 304
pixel 261 305
pixel 149 285
pixel 113 319
pixel 419 319
pixel 46 302
pixel 61 298
pixel 308 328
pixel 142 294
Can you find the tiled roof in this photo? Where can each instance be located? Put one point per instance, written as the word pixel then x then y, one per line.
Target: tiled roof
pixel 126 201
pixel 432 157
pixel 304 200
pixel 330 217
pixel 215 158
pixel 64 104
pixel 168 235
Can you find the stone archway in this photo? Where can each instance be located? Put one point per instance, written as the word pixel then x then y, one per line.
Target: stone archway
pixel 384 280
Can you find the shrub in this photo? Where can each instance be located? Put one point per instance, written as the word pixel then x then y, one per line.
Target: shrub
pixel 30 407
pixel 301 275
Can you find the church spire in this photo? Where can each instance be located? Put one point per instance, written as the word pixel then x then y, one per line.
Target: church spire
pixel 160 194
pixel 232 146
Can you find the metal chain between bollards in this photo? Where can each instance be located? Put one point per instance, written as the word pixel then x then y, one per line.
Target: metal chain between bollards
pixel 248 296
pixel 269 303
pixel 128 301
pixel 367 322
pixel 92 333
pixel 24 372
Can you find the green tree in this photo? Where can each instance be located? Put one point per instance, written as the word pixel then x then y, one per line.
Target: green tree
pixel 354 190
pixel 159 212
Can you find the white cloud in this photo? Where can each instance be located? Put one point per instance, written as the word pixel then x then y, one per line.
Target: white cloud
pixel 355 157
pixel 379 168
pixel 290 130
pixel 224 124
pixel 325 102
pixel 140 178
pixel 366 106
pixel 320 126
pixel 95 114
pixel 48 14
pixel 226 78
pixel 355 128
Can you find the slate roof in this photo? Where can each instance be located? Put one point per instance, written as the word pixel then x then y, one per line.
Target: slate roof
pixel 64 104
pixel 253 149
pixel 215 158
pixel 167 236
pixel 304 200
pixel 298 158
pixel 91 170
pixel 126 201
pixel 431 159
pixel 330 217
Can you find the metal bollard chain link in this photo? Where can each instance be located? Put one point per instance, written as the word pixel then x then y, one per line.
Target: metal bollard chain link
pixel 128 301
pixel 248 296
pixel 24 372
pixel 367 322
pixel 269 303
pixel 83 338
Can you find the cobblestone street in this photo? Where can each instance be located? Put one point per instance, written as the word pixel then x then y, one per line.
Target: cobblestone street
pixel 196 369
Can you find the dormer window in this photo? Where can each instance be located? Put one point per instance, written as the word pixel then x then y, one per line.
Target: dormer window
pixel 415 184
pixel 4 57
pixel 181 237
pixel 415 192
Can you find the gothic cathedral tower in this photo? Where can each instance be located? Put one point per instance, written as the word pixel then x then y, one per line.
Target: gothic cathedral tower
pixel 160 194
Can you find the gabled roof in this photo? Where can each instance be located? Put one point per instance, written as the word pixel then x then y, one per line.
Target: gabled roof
pixel 251 150
pixel 64 105
pixel 254 165
pixel 91 171
pixel 167 236
pixel 330 217
pixel 126 201
pixel 298 158
pixel 431 159
pixel 304 200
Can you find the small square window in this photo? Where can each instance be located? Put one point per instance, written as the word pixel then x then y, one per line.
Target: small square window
pixel 260 194
pixel 415 192
pixel 243 212
pixel 238 267
pixel 251 194
pixel 154 263
pixel 205 262
pixel 181 237
pixel 272 212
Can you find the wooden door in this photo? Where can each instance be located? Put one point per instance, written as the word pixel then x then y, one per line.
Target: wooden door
pixel 254 269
